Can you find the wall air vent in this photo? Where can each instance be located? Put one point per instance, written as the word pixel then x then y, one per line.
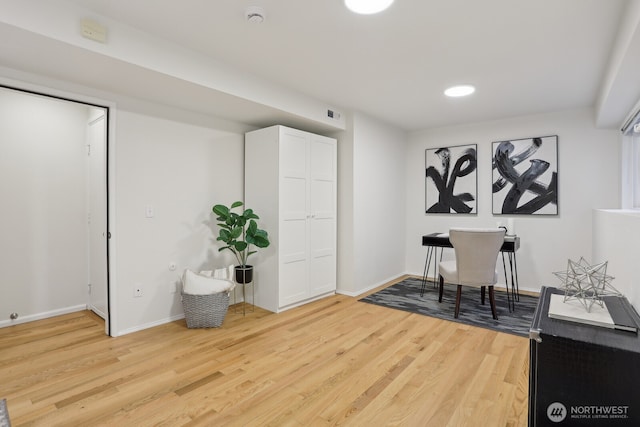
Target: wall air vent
pixel 333 114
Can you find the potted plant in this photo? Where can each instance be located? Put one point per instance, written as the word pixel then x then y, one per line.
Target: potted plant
pixel 239 231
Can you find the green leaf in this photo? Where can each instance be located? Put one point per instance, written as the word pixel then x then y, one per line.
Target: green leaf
pixel 260 241
pixel 240 246
pixel 236 232
pixel 236 204
pixel 250 215
pixel 222 211
pixel 259 238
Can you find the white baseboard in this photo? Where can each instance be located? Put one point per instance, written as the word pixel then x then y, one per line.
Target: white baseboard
pixel 369 288
pixel 43 315
pixel 150 324
pixel 306 301
pixel 99 312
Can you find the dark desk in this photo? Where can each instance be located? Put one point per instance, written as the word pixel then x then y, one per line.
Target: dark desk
pixel 511 244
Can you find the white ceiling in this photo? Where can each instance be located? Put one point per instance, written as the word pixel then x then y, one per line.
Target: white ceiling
pixel 523 56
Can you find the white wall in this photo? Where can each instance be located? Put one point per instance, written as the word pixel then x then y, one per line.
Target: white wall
pixel 43 248
pixel 588 178
pixel 376 209
pixel 616 239
pixel 345 259
pixel 180 170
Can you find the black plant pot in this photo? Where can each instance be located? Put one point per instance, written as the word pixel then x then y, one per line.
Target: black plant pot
pixel 244 273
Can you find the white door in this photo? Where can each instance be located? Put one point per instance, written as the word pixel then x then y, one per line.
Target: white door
pixel 308 216
pixel 293 217
pixel 322 221
pixel 97 215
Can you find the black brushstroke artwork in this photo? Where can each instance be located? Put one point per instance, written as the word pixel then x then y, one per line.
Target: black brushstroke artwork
pixel 519 184
pixel 445 182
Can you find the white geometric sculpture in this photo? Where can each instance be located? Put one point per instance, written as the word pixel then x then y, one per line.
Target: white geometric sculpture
pixel 586 283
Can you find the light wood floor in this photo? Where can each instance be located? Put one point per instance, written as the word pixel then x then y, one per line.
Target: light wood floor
pixel 336 361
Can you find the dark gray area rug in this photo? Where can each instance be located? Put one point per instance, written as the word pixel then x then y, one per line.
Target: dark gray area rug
pixel 405 296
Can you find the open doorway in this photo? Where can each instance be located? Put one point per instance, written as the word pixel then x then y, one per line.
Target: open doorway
pixel 54 188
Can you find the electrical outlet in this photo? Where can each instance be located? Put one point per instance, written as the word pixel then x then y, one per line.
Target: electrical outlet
pixel 149 211
pixel 137 291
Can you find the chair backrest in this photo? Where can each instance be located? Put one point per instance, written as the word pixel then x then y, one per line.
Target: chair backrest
pixel 476 253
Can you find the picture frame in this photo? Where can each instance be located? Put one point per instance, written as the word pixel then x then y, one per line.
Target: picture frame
pixel 451 180
pixel 525 176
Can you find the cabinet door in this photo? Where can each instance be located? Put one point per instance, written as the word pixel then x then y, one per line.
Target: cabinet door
pixel 322 209
pixel 294 210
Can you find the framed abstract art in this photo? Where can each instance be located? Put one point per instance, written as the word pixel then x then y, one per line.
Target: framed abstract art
pixel 451 180
pixel 525 176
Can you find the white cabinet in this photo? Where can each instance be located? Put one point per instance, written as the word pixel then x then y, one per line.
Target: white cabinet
pixel 290 182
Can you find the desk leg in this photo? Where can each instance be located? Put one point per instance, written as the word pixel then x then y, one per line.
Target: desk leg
pixel 432 254
pixel 436 278
pixel 512 305
pixel 427 261
pixel 515 291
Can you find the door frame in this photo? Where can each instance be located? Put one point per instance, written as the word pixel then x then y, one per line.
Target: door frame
pixel 97 155
pixel 109 107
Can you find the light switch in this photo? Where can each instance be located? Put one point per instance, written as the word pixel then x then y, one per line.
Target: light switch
pixel 148 211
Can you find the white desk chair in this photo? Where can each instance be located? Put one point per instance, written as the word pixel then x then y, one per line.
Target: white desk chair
pixel 476 252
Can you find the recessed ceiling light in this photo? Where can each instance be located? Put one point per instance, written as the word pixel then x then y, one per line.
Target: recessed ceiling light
pixel 367 7
pixel 461 90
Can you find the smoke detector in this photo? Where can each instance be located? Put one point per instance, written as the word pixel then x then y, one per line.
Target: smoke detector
pixel 255 14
